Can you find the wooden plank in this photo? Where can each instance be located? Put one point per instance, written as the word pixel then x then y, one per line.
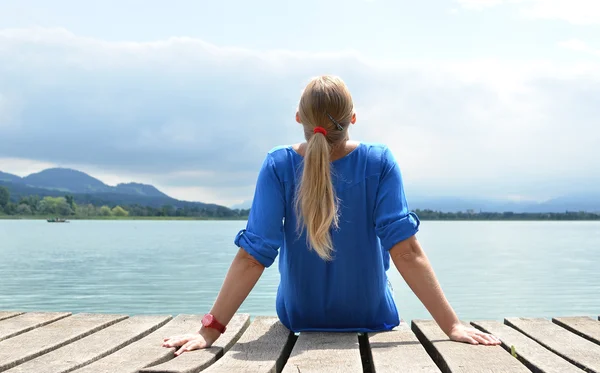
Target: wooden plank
pixel 8 314
pixel 585 327
pixel 198 360
pixel 579 351
pixel 146 352
pixel 264 347
pixel 325 352
pixel 93 347
pixel 529 352
pixel 453 356
pixel 24 347
pixel 28 321
pixel 399 348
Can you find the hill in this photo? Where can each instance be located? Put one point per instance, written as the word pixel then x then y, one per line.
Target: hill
pixel 9 177
pixel 65 180
pixel 56 182
pixel 139 189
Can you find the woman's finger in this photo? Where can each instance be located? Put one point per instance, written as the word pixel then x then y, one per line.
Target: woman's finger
pixel 189 346
pixel 176 341
pixel 480 339
pixel 465 337
pixel 491 340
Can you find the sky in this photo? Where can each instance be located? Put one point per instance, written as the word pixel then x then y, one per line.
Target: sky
pixel 476 98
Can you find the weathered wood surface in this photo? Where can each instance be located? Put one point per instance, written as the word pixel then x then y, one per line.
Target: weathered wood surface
pixel 93 343
pixel 577 350
pixel 28 321
pixel 8 314
pixel 532 354
pixel 262 348
pixel 147 351
pixel 461 357
pixel 27 346
pixel 195 361
pixel 325 352
pixel 400 348
pixel 585 327
pixel 93 347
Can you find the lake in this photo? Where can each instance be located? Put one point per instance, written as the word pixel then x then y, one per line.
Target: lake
pixel 488 270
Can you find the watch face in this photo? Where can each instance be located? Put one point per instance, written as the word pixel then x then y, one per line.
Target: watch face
pixel 207 320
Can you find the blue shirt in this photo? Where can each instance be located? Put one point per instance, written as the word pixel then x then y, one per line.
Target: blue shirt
pixel 351 292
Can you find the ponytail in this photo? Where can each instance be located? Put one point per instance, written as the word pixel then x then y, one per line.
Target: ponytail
pixel 316 203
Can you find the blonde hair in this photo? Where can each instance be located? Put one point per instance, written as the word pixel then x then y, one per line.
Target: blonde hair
pixel 326 102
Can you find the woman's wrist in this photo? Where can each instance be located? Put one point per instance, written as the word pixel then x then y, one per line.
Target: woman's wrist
pixel 209 334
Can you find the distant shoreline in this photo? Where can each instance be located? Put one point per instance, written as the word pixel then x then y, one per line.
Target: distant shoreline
pixel 175 218
pixel 240 218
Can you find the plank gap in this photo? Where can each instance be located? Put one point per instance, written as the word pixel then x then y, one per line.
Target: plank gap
pixel 506 347
pixel 579 333
pixel 287 352
pixel 365 353
pixel 572 361
pixel 437 358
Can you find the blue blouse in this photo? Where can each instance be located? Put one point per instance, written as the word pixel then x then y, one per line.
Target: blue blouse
pixel 351 292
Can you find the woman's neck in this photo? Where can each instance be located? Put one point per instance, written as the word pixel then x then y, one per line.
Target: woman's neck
pixel 339 150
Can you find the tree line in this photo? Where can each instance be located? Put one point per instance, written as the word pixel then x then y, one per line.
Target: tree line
pixel 472 215
pixel 67 207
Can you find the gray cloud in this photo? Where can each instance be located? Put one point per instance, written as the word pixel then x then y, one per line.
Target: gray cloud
pixel 187 114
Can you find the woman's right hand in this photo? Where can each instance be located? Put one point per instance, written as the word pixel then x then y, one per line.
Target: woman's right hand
pixel 189 342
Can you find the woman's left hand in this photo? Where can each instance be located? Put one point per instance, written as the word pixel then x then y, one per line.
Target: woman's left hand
pixel 462 333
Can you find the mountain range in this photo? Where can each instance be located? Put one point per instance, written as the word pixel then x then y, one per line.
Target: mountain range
pixel 87 189
pixel 56 182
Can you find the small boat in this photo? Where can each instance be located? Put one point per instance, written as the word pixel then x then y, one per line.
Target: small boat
pixel 57 220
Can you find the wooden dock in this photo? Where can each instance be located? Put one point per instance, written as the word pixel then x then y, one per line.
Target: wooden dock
pixel 60 342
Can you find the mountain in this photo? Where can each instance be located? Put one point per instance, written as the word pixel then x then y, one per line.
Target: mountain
pixel 139 189
pixel 9 177
pixel 245 205
pixel 56 182
pixel 66 180
pixel 588 202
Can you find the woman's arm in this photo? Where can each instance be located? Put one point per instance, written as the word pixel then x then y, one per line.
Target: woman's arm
pixel 241 278
pixel 412 263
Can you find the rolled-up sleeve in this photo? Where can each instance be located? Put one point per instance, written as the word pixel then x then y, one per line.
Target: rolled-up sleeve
pixel 393 220
pixel 263 235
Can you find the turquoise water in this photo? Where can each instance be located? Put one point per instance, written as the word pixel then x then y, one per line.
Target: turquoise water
pixel 488 270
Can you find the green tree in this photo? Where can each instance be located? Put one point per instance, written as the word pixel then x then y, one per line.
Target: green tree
pixel 70 201
pixel 31 201
pixel 55 206
pixel 4 196
pixel 24 209
pixel 105 211
pixel 119 211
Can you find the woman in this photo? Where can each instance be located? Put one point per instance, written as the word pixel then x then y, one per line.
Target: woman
pixel 335 212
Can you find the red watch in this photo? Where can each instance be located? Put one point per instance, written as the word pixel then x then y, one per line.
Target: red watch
pixel 209 321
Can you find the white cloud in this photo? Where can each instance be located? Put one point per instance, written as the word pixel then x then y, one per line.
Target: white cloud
pixel 581 12
pixel 479 4
pixel 23 167
pixel 579 46
pixel 196 119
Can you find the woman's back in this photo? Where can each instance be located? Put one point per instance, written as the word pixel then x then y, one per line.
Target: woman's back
pixel 335 217
pixel 349 292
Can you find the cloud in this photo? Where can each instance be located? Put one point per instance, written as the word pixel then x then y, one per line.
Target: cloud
pixel 579 46
pixel 580 12
pixel 196 119
pixel 479 4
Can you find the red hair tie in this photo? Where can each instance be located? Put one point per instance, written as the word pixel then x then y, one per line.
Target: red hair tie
pixel 320 130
